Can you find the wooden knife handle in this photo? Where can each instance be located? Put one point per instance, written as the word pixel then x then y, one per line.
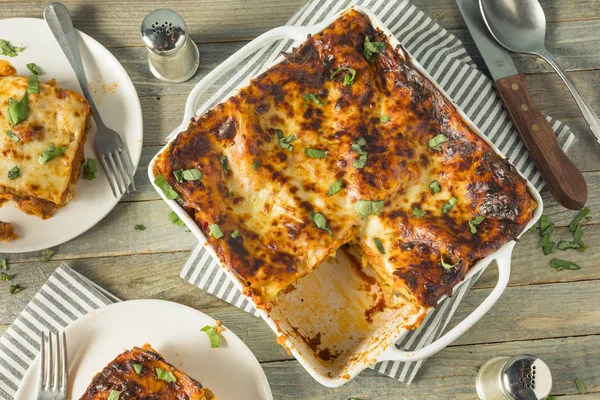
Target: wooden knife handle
pixel 565 181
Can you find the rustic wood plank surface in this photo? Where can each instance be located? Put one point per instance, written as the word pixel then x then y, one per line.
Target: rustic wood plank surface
pixel 554 315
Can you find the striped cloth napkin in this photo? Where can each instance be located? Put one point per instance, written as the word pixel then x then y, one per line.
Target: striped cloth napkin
pixel 446 60
pixel 66 296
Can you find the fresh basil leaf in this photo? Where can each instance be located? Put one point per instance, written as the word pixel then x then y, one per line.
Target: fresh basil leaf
pixel 5 277
pixel 213 336
pixel 51 153
pixel 546 227
pixel 114 394
pixel 379 245
pixel 436 141
pixel 174 218
pixel 474 222
pixel 224 165
pixel 165 375
pixel 48 256
pixel 165 187
pixel 14 173
pixel 3 264
pixel 315 153
pixel 178 174
pixel 235 234
pixel 139 227
pixel 357 148
pixel 577 238
pixel 14 289
pixel 533 228
pixel 138 368
pixel 12 136
pixel 370 49
pixel 6 49
pixel 384 118
pixel 285 141
pixel 256 164
pixel 566 245
pixel 321 222
pixel 33 67
pixel 33 85
pixel 577 220
pixel 559 264
pixel 312 97
pixel 192 174
pixel 17 110
pixel 215 231
pixel 447 265
pixel 349 78
pixel 361 161
pixel 364 208
pixel 580 386
pixel 417 212
pixel 335 187
pixel 89 169
pixel 435 186
pixel 449 204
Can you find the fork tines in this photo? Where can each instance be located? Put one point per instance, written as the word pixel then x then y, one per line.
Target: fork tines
pixel 53 364
pixel 119 173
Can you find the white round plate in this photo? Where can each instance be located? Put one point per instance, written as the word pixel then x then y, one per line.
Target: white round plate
pixel 231 371
pixel 120 110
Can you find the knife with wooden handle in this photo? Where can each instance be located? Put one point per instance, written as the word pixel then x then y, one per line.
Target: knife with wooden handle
pixel 565 181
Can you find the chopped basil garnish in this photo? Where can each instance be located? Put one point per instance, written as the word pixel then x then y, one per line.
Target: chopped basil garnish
pixel 547 246
pixel 48 256
pixel 449 204
pixel 12 136
pixel 384 118
pixel 213 336
pixel 114 394
pixel 474 222
pixel 379 245
pixel 321 222
pixel 166 188
pixel 580 386
pixel 174 218
pixel 256 164
pixel 546 227
pixel 17 110
pixel 370 49
pixel 357 148
pixel 224 165
pixel 565 245
pixel 189 175
pixel 447 265
pixel 315 153
pixel 33 85
pixel 14 173
pixel 5 277
pixel 165 375
pixel 215 231
pixel 577 220
pixel 577 238
pixel 35 69
pixel 312 97
pixel 89 169
pixel 138 368
pixel 417 212
pixel 6 49
pixel 178 175
pixel 348 78
pixel 335 187
pixel 435 186
pixel 139 227
pixel 559 264
pixel 235 234
pixel 14 289
pixel 283 141
pixel 436 141
pixel 3 264
pixel 364 208
pixel 51 153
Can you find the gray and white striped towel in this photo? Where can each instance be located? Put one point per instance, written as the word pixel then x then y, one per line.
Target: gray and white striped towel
pixel 65 297
pixel 446 60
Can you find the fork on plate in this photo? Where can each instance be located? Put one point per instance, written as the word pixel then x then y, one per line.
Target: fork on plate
pixel 111 150
pixel 52 379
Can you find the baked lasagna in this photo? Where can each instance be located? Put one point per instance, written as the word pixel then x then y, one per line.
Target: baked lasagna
pixel 142 373
pixel 42 136
pixel 344 142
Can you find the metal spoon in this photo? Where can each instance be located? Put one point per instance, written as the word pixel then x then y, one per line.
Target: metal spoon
pixel 520 26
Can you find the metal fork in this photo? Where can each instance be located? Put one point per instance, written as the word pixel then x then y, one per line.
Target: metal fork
pixel 111 150
pixel 52 379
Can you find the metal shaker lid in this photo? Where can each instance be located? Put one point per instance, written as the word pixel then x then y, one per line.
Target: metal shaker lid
pixel 526 377
pixel 164 32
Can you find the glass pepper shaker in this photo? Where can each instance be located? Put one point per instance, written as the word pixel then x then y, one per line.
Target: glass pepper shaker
pixel 524 377
pixel 172 56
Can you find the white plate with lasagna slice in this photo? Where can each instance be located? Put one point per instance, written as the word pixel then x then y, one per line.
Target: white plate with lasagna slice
pixel 174 356
pixel 42 191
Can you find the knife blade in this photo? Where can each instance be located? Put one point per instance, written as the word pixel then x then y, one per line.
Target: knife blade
pixel 565 181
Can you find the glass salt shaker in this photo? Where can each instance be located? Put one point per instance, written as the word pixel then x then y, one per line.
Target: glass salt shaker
pixel 172 56
pixel 524 377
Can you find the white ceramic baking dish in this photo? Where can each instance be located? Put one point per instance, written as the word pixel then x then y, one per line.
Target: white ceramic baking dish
pixel 326 311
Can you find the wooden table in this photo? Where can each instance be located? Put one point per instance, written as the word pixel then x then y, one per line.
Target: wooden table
pixel 555 315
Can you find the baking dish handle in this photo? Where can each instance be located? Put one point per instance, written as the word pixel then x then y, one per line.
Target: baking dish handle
pixel 266 39
pixel 503 258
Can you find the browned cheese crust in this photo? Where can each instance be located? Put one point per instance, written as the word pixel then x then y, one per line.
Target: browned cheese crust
pixel 267 193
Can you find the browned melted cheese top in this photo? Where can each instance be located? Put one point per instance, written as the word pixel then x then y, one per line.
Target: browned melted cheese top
pixel 270 205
